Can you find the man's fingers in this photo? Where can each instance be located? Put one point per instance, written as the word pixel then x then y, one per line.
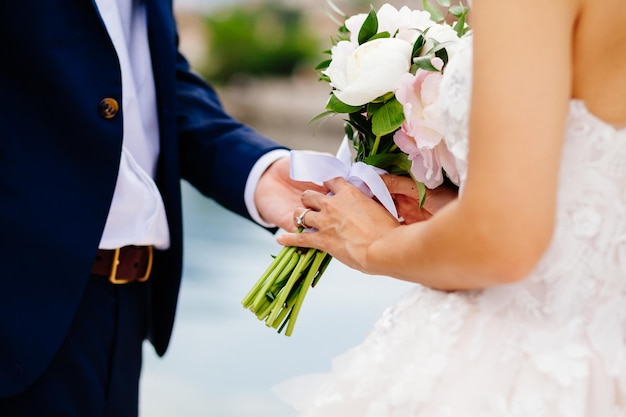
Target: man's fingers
pixel 401 185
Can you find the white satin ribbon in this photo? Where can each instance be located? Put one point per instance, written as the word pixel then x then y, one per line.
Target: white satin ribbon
pixel 317 168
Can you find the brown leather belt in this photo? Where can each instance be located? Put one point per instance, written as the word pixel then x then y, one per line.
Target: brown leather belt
pixel 124 265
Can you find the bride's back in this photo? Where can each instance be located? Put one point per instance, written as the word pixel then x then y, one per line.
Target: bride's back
pixel 600 59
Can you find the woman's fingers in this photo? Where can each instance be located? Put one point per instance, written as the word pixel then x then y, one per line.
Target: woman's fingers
pixel 312 199
pixel 342 221
pixel 314 202
pixel 303 240
pixel 336 185
pixel 302 217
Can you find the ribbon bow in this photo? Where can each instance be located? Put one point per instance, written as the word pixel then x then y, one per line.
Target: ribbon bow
pixel 317 168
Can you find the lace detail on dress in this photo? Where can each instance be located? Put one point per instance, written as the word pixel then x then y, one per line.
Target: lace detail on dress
pixel 551 345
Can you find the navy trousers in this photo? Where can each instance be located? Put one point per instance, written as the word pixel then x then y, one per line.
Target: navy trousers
pixel 96 372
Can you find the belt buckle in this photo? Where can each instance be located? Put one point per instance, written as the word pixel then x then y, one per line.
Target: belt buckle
pixel 113 279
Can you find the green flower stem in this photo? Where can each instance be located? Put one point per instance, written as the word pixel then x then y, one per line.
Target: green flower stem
pixel 322 268
pixel 287 271
pixel 284 293
pixel 265 309
pixel 290 259
pixel 278 295
pixel 421 189
pixel 268 303
pixel 287 308
pixel 375 146
pixel 312 273
pixel 282 257
pixel 284 323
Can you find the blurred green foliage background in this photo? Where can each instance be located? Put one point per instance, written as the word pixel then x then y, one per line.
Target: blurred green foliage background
pixel 268 38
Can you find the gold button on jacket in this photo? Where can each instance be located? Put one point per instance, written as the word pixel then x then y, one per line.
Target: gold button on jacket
pixel 108 108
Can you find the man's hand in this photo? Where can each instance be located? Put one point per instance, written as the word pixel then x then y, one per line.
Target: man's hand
pixel 405 194
pixel 277 195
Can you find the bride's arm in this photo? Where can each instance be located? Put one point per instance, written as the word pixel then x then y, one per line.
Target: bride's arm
pixel 521 88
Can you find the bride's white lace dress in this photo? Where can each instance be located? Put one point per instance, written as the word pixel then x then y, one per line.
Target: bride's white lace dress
pixel 551 345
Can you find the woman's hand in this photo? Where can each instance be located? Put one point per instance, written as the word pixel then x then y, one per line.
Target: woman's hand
pixel 347 222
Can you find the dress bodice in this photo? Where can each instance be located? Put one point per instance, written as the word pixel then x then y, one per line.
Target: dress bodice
pixel 581 279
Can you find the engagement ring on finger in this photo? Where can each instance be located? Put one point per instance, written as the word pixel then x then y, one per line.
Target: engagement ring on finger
pixel 300 219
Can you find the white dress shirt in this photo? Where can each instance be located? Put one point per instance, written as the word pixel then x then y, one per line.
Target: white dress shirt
pixel 137 215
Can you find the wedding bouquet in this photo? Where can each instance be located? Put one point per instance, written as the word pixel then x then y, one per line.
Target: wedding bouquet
pixel 384 71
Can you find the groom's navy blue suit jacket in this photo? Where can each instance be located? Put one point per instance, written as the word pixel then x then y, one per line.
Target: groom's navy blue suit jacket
pixel 59 160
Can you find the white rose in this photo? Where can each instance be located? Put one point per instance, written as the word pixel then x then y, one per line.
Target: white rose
pixel 406 22
pixel 340 53
pixel 388 19
pixel 354 24
pixel 411 23
pixel 370 71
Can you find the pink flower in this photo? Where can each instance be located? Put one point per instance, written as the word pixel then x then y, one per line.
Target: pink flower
pixel 421 134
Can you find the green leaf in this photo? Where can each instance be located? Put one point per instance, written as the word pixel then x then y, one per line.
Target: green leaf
pixel 385 97
pixel 418 45
pixel 395 163
pixel 459 27
pixel 324 77
pixel 435 13
pixel 437 46
pixel 360 122
pixel 323 65
pixel 343 34
pixel 421 191
pixel 337 106
pixel 443 54
pixel 369 28
pixel 386 117
pixel 424 63
pixel 458 10
pixel 444 3
pixel 321 116
pixel 439 50
pixel 348 130
pixel 380 35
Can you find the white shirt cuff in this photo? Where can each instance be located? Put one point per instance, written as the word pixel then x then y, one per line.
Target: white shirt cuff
pixel 253 179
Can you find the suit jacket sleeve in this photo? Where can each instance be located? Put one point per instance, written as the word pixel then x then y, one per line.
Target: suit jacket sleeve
pixel 216 151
